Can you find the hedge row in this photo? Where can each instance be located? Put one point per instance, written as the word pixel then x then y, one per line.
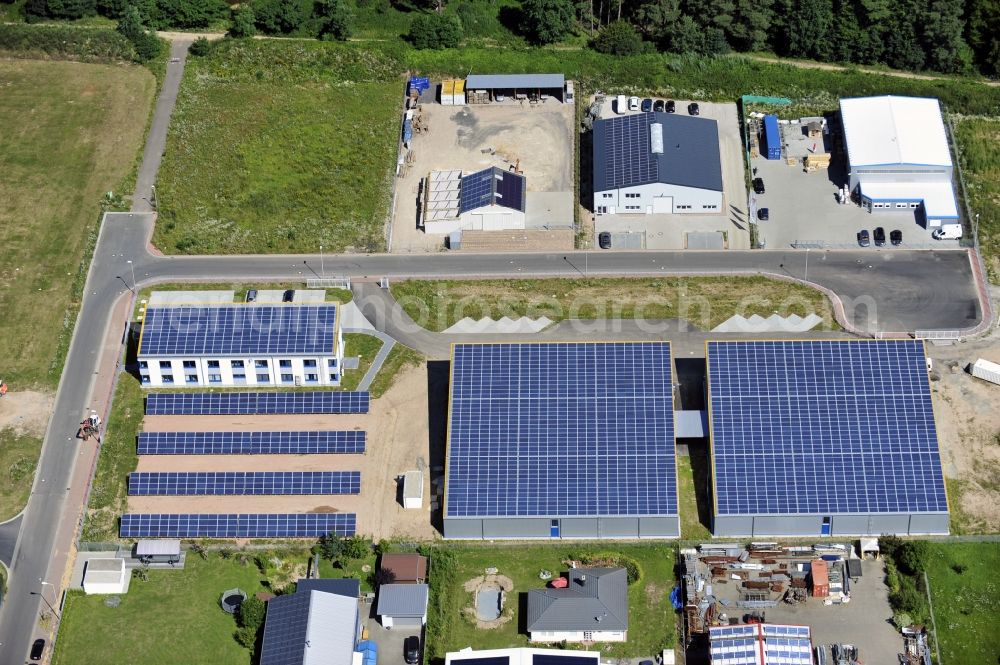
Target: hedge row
pixel 73 43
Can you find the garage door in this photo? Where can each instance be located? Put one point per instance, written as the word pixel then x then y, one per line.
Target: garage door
pixel 497 222
pixel 406 622
pixel 663 204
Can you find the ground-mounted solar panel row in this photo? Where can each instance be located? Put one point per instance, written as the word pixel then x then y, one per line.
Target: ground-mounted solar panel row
pixel 240 483
pixel 251 443
pixel 232 525
pixel 256 403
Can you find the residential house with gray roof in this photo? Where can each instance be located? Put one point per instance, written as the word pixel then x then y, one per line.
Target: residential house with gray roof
pixel 592 607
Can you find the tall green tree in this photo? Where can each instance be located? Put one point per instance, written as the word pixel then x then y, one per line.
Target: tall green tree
pixel 942 37
pixel 282 16
pixel 807 25
pixel 191 13
pixel 547 21
pixel 983 35
pixel 61 9
pixel 657 18
pixel 435 31
pixel 131 27
pixel 244 22
pixel 619 38
pixel 336 19
pixel 751 21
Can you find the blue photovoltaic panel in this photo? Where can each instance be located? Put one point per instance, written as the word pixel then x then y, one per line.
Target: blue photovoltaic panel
pixel 724 632
pixel 781 630
pixel 561 429
pixel 823 427
pixel 240 483
pixel 476 191
pixel 235 330
pixel 249 403
pixel 510 190
pixel 251 443
pixel 253 525
pixel 628 158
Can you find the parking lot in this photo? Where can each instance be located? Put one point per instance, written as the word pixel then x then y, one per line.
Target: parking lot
pixel 537 137
pixel 729 230
pixel 803 209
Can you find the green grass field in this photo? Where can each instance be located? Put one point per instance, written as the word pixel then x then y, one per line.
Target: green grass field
pixel 174 617
pixel 694 502
pixel 965 593
pixel 72 132
pixel 280 147
pixel 703 301
pixel 651 617
pixel 977 139
pixel 18 458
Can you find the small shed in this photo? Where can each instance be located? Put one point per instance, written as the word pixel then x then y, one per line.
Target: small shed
pixel 105 576
pixel 402 605
pixel 413 490
pixel 519 86
pixel 404 568
pixel 158 551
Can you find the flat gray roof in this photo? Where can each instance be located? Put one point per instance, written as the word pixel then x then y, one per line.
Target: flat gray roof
pixel 511 81
pixel 402 600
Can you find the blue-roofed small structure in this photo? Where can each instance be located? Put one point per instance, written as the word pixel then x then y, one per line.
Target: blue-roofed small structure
pixel 657 163
pixel 241 345
pixel 310 627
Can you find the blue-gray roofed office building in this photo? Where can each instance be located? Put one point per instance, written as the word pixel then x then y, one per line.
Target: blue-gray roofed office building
pixel 241 345
pixel 513 85
pixel 649 163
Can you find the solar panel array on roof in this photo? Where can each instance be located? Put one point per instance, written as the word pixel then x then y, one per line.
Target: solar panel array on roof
pixel 477 190
pixel 240 483
pixel 557 659
pixel 251 443
pixel 248 403
pixel 250 525
pixel 561 429
pixel 239 330
pixel 823 427
pixel 487 660
pixel 760 644
pixel 627 152
pixel 492 186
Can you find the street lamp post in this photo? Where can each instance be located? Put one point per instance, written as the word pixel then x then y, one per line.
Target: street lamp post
pixel 322 270
pixel 42 595
pixel 132 268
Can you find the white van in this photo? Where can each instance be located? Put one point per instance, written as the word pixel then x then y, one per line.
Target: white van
pixel 620 105
pixel 948 232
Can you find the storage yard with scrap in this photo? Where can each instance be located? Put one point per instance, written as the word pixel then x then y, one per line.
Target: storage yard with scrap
pixel 790 602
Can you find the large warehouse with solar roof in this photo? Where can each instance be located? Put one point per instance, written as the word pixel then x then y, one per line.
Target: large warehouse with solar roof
pixel 561 440
pixel 241 345
pixel 649 163
pixel 823 438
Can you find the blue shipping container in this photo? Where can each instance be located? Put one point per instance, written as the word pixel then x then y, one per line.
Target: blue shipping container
pixel 772 137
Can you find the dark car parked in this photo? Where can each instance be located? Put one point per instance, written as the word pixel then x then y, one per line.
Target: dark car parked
pixel 671 106
pixel 411 649
pixel 763 214
pixel 693 109
pixel 288 295
pixel 879 236
pixel 758 185
pixel 647 105
pixel 604 240
pixel 658 105
pixel 252 295
pixel 36 649
pixel 896 237
pixel 863 238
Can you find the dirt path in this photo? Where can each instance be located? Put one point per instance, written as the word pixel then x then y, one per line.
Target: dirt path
pixel 876 72
pixel 26 412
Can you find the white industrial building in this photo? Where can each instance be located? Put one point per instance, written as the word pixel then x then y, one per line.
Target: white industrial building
pixel 241 345
pixel 489 200
pixel 649 163
pixel 899 158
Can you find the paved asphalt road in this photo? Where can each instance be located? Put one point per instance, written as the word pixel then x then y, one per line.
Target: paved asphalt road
pixel 909 290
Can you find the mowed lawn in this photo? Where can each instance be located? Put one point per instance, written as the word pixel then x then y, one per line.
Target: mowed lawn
pixel 651 616
pixel 268 153
pixel 965 592
pixel 174 617
pixel 71 132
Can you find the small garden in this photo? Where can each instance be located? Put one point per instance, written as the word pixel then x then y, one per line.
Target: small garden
pixel 459 573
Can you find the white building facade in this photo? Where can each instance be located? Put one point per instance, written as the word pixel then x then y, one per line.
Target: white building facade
pixel 241 345
pixel 899 158
pixel 657 163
